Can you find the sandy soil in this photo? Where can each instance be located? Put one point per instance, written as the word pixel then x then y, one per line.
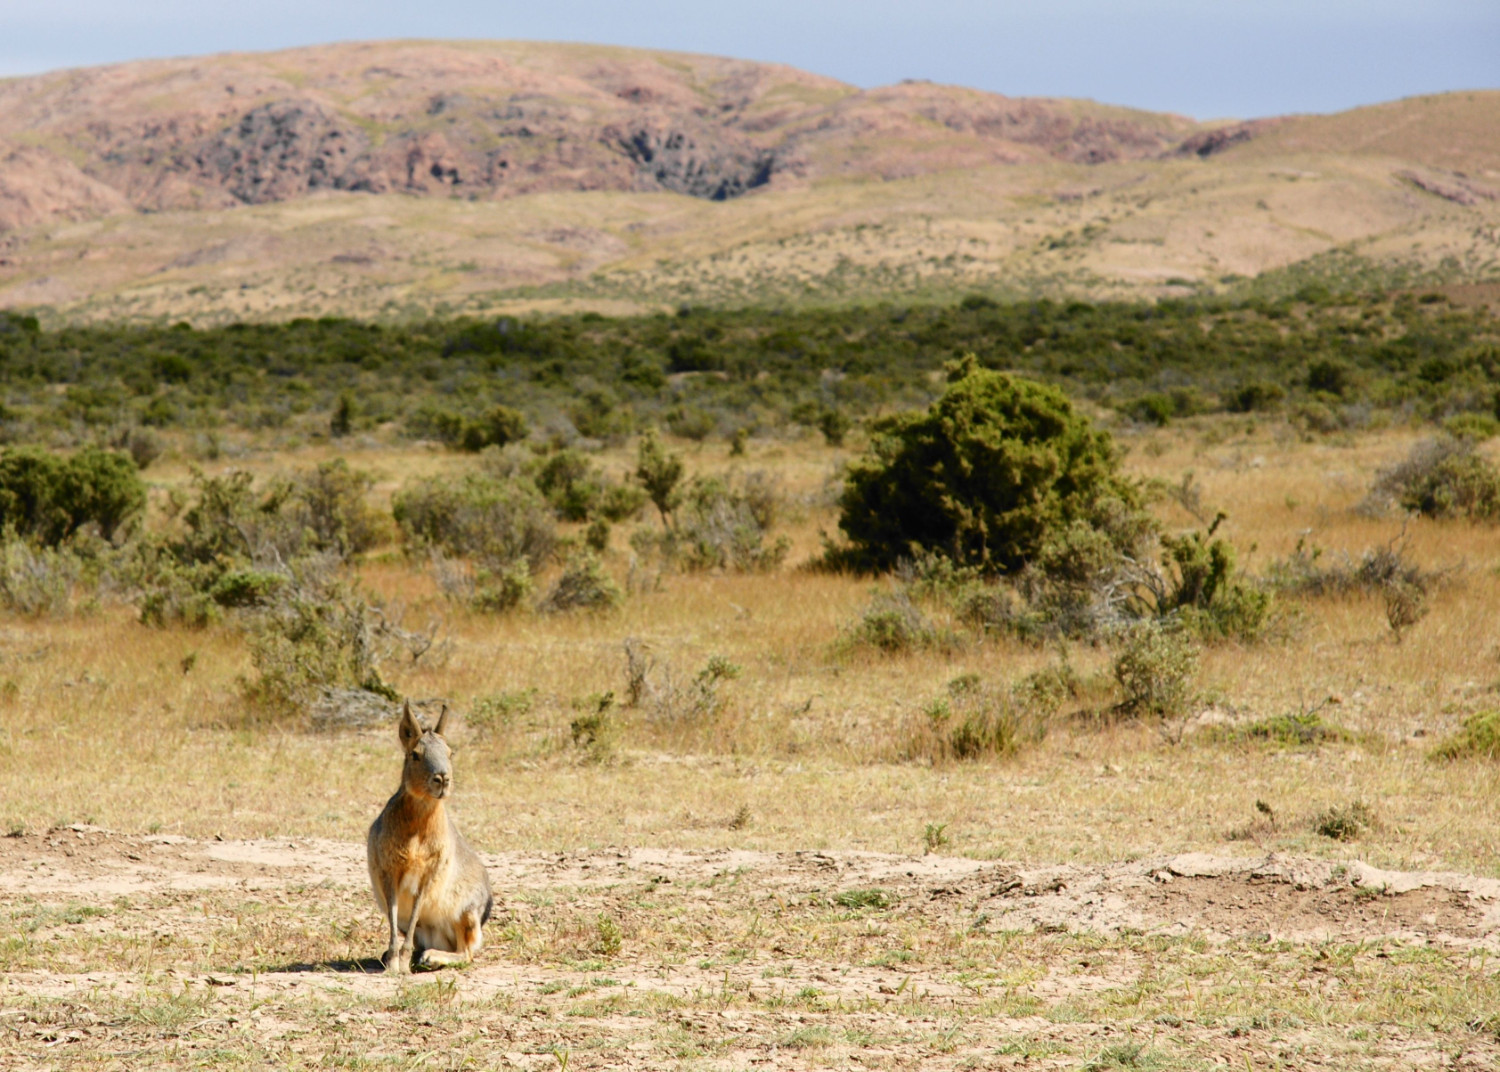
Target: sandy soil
pixel 144 950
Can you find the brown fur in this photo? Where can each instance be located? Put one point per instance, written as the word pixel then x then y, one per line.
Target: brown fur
pixel 422 871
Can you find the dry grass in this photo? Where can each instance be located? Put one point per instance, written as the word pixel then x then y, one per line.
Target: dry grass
pixel 107 722
pixel 105 726
pixel 1140 229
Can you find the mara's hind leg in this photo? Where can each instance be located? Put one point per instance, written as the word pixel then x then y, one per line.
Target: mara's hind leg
pixel 469 932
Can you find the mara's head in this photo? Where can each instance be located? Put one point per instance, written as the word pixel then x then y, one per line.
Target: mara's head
pixel 428 770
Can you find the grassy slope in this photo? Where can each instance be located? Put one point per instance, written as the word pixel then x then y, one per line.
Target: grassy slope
pixel 1307 187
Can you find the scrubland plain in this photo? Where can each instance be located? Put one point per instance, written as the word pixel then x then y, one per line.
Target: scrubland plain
pixel 778 881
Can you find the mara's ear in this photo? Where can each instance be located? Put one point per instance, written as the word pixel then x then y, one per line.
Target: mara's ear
pixel 442 721
pixel 410 729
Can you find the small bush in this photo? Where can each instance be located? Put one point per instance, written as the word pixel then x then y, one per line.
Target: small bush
pixel 494 521
pixel 1255 397
pixel 1405 606
pixel 724 524
pixel 1472 427
pixel 578 490
pixel 36 581
pixel 1198 587
pixel 671 699
pixel 594 729
pixel 1344 822
pixel 316 636
pixel 974 720
pixel 892 623
pixel 330 502
pixel 583 585
pixel 1478 737
pixel 491 714
pixel 497 428
pixel 1441 478
pixel 1155 669
pixel 1310 571
pixel 143 445
pixel 660 473
pixel 859 900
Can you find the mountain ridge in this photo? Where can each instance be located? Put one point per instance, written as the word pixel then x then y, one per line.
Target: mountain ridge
pixel 388 178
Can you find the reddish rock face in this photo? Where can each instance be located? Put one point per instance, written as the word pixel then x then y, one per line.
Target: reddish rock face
pixel 486 120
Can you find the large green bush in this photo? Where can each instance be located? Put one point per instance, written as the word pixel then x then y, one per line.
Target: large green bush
pixel 986 475
pixel 47 497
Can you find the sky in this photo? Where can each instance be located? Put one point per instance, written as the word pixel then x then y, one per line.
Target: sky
pixel 1203 58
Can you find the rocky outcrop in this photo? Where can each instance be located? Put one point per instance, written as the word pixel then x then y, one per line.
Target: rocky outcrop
pixel 1212 142
pixel 675 160
pixel 1457 188
pixel 284 149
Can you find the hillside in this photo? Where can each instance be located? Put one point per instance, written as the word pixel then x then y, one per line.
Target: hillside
pixel 398 177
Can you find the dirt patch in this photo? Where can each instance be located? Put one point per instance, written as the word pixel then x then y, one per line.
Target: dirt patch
pixel 179 951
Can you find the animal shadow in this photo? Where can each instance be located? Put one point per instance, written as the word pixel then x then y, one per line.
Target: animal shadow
pixel 364 966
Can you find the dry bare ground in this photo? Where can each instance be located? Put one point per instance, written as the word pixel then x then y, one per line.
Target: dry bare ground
pixel 169 951
pixel 752 890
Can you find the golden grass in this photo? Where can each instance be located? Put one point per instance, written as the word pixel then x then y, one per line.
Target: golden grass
pixel 102 724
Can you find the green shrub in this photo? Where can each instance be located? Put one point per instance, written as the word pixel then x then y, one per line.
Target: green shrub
pixel 723 523
pixel 1344 822
pixel 315 637
pixel 497 591
pixel 246 588
pixel 1473 427
pixel 330 502
pixel 858 900
pixel 583 585
pixel 579 491
pixel 497 428
pixel 1255 396
pixel 975 720
pixel 36 581
pixel 1204 594
pixel 660 474
pixel 1443 478
pixel 1155 669
pixel 986 475
pixel 1478 737
pixel 493 521
pixel 1298 729
pixel 892 623
pixel 47 497
pixel 1152 409
pixel 835 425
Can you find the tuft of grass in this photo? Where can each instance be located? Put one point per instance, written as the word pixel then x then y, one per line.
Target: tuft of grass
pixel 858 900
pixel 1477 738
pixel 1301 729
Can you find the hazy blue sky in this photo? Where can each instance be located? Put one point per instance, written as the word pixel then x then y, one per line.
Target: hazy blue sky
pixel 1207 58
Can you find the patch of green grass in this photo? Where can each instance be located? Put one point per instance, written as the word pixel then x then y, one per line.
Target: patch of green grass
pixel 805 1038
pixel 1292 730
pixel 1477 738
pixel 861 899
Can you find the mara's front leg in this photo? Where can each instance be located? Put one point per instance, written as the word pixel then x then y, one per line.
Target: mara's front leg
pixel 469 935
pixel 393 959
pixel 403 954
